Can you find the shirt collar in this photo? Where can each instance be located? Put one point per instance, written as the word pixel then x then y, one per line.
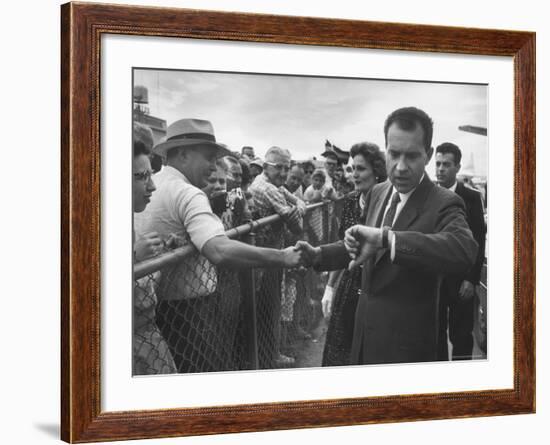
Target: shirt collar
pixel 452 188
pixel 175 172
pixel 405 196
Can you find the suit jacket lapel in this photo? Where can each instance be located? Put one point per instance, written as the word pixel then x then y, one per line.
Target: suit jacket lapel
pixel 409 212
pixel 379 206
pixel 373 218
pixel 414 205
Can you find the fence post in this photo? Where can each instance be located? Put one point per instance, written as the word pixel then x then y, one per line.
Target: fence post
pixel 250 311
pixel 326 223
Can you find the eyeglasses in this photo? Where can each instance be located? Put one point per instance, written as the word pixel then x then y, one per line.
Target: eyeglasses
pixel 279 167
pixel 143 176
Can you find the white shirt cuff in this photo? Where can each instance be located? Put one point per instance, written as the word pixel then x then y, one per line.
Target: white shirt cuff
pixel 391 234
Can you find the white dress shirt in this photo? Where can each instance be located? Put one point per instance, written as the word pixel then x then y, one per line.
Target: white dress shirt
pixel 404 197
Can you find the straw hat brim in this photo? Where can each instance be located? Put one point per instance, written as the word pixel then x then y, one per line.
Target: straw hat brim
pixel 162 148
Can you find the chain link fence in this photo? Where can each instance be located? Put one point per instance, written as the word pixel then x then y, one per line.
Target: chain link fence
pixel 191 316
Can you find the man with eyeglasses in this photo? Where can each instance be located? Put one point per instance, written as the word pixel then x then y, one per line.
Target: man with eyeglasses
pixel 270 197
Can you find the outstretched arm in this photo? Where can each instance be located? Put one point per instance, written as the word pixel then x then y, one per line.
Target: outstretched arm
pixel 226 252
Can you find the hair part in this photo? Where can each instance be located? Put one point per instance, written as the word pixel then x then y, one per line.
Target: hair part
pixel 449 147
pixel 231 160
pixel 407 119
pixel 220 163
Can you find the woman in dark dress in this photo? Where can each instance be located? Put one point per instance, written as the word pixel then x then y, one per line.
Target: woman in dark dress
pixel 341 294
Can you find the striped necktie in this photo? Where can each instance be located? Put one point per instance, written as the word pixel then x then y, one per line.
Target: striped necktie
pixel 390 215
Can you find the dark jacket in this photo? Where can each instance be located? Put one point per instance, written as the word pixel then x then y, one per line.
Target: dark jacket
pixel 397 317
pixel 476 221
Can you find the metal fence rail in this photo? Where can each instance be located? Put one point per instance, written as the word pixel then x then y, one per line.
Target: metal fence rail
pixel 191 316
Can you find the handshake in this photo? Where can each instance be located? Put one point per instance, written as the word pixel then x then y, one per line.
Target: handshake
pixel 361 243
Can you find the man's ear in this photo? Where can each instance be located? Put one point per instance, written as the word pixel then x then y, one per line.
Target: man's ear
pixel 458 167
pixel 183 155
pixel 429 154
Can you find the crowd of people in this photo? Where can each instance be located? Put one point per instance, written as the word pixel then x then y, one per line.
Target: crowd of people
pixel 404 258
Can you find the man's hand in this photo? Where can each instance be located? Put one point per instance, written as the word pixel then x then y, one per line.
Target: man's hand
pixel 310 255
pixel 147 246
pixel 466 290
pixel 293 257
pixel 362 242
pixel 301 206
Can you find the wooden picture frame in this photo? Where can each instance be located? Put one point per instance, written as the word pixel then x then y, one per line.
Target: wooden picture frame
pixel 82 26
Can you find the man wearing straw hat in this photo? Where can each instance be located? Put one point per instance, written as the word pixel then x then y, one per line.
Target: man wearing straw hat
pixel 180 208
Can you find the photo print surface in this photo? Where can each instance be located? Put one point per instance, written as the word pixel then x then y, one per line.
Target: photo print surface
pixel 285 221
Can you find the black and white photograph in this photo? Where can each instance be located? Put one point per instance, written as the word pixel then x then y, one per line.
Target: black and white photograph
pixel 284 221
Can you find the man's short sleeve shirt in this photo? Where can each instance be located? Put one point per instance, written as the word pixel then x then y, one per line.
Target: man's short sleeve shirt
pixel 177 207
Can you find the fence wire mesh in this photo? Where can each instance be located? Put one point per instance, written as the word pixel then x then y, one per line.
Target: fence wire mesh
pixel 191 316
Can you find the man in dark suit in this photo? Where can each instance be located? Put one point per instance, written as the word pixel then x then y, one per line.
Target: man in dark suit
pixel 457 292
pixel 414 233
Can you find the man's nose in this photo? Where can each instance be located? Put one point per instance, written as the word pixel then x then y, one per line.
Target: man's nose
pixel 401 164
pixel 151 185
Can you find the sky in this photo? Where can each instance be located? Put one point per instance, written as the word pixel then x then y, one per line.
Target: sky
pixel 300 113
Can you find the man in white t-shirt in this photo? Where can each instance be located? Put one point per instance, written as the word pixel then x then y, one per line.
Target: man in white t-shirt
pixel 180 209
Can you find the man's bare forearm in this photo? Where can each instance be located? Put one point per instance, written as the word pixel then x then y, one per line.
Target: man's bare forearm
pixel 226 252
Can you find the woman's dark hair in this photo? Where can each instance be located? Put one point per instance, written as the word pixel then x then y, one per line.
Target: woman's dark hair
pixel 372 155
pixel 246 178
pixel 143 139
pixel 140 149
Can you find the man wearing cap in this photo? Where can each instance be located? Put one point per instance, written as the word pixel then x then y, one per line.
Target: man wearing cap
pixel 247 152
pixel 256 167
pixel 180 208
pixel 414 234
pixel 334 157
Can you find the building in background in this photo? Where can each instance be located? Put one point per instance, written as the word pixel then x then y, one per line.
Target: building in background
pixel 141 113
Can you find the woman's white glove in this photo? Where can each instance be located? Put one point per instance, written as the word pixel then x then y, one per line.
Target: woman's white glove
pixel 326 302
